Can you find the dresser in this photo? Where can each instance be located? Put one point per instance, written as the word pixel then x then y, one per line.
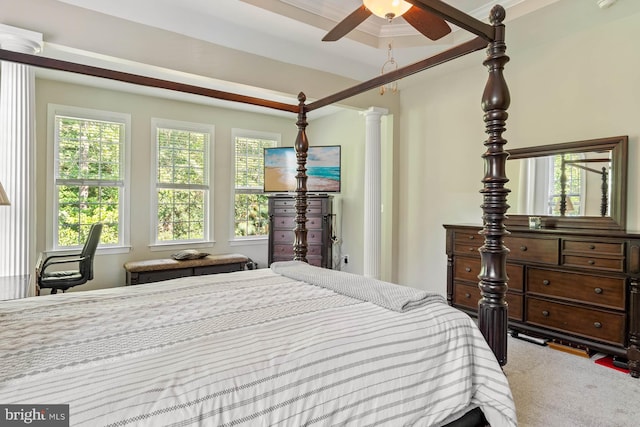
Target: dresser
pixel 579 288
pixel 282 213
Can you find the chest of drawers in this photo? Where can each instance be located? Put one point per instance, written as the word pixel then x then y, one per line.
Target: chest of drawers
pixel 282 213
pixel 575 287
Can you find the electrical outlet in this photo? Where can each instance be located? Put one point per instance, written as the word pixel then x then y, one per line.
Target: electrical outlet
pixel 345 259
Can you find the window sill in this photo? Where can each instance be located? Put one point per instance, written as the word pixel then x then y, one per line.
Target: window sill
pixel 108 250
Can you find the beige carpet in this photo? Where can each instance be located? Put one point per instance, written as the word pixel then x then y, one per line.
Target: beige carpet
pixel 553 388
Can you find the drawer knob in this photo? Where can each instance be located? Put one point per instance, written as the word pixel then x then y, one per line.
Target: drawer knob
pixel 546 282
pixel 471 249
pixel 591 262
pixel 467 269
pixel 545 313
pixel 592 247
pixel 598 290
pixel 598 325
pixel 472 237
pixel 467 295
pixel 523 248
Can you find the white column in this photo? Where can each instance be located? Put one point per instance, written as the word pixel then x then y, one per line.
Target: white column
pixel 372 192
pixel 17 141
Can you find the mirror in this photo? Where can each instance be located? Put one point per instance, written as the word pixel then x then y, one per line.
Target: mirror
pixel 579 184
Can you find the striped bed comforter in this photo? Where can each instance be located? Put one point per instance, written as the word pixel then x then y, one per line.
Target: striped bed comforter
pixel 251 348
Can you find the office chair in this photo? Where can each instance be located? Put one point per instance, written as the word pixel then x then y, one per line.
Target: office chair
pixel 63 280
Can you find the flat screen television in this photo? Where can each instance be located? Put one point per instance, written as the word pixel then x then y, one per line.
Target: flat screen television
pixel 323 169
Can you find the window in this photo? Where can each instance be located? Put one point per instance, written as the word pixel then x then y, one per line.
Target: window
pixel 90 176
pixel 251 215
pixel 573 184
pixel 182 185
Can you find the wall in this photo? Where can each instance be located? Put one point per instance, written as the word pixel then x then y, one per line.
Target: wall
pixel 348 130
pixel 109 268
pixel 579 85
pixel 345 128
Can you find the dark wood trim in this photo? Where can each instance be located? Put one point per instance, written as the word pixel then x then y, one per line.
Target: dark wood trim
pixel 600 144
pixel 453 53
pixel 88 70
pixel 633 352
pixel 302 147
pixel 617 219
pixel 56 64
pixel 492 307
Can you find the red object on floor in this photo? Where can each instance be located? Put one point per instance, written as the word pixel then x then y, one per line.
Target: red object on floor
pixel 608 362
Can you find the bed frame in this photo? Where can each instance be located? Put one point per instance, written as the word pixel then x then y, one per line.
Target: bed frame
pixel 492 308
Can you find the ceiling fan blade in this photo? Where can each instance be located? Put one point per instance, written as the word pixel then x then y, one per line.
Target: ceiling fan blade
pixel 427 23
pixel 347 24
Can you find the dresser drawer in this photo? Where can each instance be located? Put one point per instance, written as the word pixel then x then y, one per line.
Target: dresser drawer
pixel 315 250
pixel 467 243
pixel 286 236
pixel 466 268
pixel 287 250
pixel 292 210
pixel 468 296
pixel 291 203
pixel 609 264
pixel 289 223
pixel 598 290
pixel 588 322
pixel 316 261
pixel 590 247
pixel 533 249
pixel 283 250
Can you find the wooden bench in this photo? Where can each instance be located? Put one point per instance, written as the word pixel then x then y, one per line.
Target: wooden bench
pixel 155 270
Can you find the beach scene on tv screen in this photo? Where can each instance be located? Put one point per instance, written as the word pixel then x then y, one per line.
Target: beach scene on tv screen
pixel 323 169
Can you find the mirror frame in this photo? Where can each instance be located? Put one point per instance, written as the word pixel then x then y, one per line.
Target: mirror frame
pixel 617 219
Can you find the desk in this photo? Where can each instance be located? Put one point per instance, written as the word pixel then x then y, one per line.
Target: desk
pixel 14 287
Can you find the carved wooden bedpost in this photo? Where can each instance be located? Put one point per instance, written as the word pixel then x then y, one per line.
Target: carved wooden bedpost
pixel 492 307
pixel 301 146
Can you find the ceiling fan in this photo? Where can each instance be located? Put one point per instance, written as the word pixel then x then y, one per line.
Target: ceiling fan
pixel 430 25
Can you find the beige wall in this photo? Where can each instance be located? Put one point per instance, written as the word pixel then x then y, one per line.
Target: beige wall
pixel 576 86
pixel 109 270
pixel 348 130
pixel 345 128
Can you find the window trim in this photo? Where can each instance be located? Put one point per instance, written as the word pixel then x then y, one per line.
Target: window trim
pixel 51 224
pixel 246 133
pixel 208 239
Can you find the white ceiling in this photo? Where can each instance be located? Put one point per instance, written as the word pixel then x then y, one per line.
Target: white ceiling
pixel 291 30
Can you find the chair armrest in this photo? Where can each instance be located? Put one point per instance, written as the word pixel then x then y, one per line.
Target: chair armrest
pixel 60 259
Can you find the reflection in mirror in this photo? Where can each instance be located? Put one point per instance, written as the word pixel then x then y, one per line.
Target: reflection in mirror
pixel 565 184
pixel 577 184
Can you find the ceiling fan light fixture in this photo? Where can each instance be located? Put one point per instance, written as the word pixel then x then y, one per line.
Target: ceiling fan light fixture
pixel 387 9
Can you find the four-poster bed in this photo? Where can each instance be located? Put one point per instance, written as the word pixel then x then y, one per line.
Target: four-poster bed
pixel 493 279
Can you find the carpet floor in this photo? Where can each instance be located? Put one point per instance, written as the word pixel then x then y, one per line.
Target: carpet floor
pixel 553 388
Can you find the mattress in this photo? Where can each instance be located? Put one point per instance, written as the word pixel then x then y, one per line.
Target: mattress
pixel 251 348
